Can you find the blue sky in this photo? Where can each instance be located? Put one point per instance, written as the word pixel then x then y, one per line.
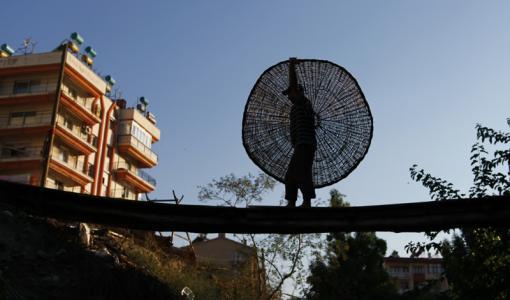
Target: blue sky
pixel 430 71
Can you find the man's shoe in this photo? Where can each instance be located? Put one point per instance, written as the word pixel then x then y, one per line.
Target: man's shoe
pixel 306 203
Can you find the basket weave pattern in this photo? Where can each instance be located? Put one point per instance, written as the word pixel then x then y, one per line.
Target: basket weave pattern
pixel 343 120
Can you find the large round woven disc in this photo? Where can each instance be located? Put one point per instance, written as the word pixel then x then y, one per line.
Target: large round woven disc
pixel 343 120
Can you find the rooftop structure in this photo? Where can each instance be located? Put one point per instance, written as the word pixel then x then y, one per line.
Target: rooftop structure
pixel 60 129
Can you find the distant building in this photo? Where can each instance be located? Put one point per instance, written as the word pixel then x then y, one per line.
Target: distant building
pixel 411 272
pixel 222 251
pixel 231 260
pixel 61 128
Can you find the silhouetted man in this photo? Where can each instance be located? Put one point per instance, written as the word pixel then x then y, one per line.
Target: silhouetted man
pixel 302 135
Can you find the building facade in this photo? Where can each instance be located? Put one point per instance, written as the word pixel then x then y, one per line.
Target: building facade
pixel 232 260
pixel 60 129
pixel 409 273
pixel 222 251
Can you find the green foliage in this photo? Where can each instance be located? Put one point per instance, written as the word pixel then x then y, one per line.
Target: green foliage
pixel 336 199
pixel 427 291
pixel 352 266
pixel 176 276
pixel 230 190
pixel 281 257
pixel 207 281
pixel 476 260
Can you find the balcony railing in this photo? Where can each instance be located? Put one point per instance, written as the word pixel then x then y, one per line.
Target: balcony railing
pixel 136 143
pixel 88 138
pixel 73 164
pixel 122 193
pixel 145 176
pixel 34 89
pixel 25 119
pixel 82 101
pixel 18 152
pixel 138 172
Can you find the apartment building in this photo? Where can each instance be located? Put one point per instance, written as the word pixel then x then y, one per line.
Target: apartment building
pixel 60 128
pixel 411 272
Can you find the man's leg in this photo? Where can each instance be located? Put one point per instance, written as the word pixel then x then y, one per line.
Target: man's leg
pixel 291 191
pixel 291 187
pixel 307 154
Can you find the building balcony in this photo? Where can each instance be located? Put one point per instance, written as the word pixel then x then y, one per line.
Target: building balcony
pixel 130 145
pixel 18 157
pixel 84 76
pixel 79 108
pixel 25 123
pixel 138 179
pixel 36 94
pixel 130 115
pixel 81 142
pixel 69 171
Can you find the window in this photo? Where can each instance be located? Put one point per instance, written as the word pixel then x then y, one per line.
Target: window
pixel 418 269
pixel 9 151
pixel 399 269
pixel 59 185
pixel 435 268
pixel 238 257
pixel 73 93
pixel 21 87
pixel 66 121
pixel 109 150
pixel 91 170
pixel 125 192
pixel 63 155
pixel 26 86
pixel 85 132
pixel 73 161
pixel 95 140
pixel 141 135
pixel 22 118
pixel 106 175
pixel 30 117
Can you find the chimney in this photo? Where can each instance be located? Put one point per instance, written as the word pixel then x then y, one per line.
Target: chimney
pixel 121 103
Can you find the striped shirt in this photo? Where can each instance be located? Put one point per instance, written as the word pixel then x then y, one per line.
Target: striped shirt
pixel 302 123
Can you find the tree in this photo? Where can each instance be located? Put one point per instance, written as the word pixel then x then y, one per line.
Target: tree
pixel 280 257
pixel 476 260
pixel 352 266
pixel 235 191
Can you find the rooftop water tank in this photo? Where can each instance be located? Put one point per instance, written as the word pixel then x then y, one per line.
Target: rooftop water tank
pixel 75 36
pixel 7 49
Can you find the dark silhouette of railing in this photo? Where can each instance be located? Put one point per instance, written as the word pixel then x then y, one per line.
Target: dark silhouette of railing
pixel 407 217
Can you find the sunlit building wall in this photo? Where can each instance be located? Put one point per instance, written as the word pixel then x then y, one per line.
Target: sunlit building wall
pixel 60 128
